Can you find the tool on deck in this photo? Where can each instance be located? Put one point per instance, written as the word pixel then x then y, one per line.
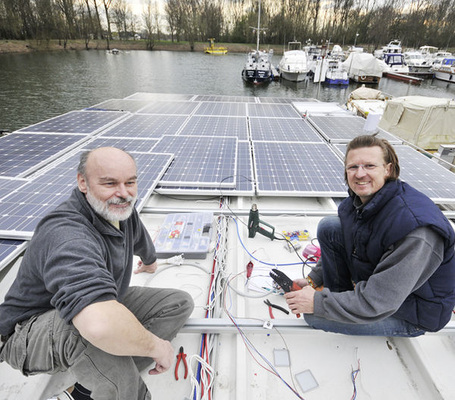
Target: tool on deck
pixel 254 225
pixel 271 305
pixel 181 356
pixel 286 283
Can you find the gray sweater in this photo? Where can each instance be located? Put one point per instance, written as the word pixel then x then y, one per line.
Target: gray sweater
pixel 74 259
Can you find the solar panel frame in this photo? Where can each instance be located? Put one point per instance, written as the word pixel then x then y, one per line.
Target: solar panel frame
pixel 289 169
pixel 152 126
pixel 244 182
pixel 216 126
pixel 283 129
pixel 192 153
pixel 76 123
pixel 272 110
pixel 221 109
pixel 129 105
pixel 22 209
pixel 160 96
pixel 23 153
pixel 342 129
pixel 240 99
pixel 170 108
pixel 127 144
pixel 9 250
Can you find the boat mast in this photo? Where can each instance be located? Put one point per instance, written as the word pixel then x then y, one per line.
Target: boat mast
pixel 259 26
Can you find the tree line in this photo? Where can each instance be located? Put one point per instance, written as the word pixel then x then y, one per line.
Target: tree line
pixel 345 22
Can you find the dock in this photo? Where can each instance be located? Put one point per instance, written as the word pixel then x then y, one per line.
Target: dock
pixel 402 77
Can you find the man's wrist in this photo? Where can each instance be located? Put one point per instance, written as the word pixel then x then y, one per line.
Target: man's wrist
pixel 311 282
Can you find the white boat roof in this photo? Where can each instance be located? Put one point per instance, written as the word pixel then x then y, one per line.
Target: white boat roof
pixel 250 355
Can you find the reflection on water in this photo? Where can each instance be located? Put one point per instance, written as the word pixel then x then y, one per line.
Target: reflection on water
pixel 38 86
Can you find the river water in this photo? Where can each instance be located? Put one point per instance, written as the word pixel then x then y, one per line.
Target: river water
pixel 38 86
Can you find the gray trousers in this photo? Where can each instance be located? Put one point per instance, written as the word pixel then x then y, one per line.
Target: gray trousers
pixel 47 344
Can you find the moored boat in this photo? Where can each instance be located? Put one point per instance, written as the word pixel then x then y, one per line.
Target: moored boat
pixel 446 72
pixel 293 65
pixel 215 50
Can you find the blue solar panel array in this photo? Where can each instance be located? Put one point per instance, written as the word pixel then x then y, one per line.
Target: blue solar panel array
pixel 9 250
pixel 191 144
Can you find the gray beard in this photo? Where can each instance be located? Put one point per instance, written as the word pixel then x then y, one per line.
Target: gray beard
pixel 102 207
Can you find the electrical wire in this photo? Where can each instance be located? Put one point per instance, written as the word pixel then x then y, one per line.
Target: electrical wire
pixel 354 374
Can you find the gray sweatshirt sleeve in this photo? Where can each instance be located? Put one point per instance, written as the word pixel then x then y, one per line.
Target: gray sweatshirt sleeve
pixel 402 269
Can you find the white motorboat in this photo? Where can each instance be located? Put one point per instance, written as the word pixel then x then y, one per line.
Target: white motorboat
pixel 364 68
pixel 396 63
pixel 446 71
pixel 293 65
pixel 416 62
pixel 439 58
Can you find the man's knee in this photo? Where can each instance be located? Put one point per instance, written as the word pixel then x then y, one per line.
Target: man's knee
pixel 327 226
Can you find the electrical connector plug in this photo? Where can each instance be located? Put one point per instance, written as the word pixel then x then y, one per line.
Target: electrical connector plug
pixel 175 260
pixel 312 252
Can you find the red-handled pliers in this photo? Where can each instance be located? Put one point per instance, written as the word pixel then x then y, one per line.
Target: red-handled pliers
pixel 286 283
pixel 181 356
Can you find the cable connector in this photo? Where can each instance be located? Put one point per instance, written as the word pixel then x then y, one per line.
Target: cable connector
pixel 175 260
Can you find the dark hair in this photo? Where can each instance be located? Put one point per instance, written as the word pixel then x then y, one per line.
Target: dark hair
pixel 82 167
pixel 390 156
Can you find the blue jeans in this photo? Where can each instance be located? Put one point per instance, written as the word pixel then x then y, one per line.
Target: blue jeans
pixel 337 278
pixel 47 344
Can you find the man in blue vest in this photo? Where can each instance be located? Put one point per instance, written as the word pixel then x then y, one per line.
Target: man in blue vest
pixel 387 264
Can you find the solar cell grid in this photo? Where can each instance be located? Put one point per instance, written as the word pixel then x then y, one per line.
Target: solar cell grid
pixel 216 126
pixel 160 96
pixel 76 122
pixel 127 144
pixel 338 129
pixel 8 185
pixel 21 153
pixel 120 105
pixel 9 249
pixel 283 129
pixel 22 209
pixel 167 107
pixel 281 100
pixel 199 160
pixel 240 99
pixel 222 108
pixel 310 169
pixel 146 126
pixel 244 182
pixel 272 111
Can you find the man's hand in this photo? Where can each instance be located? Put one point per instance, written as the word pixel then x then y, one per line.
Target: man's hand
pixel 163 358
pixel 141 267
pixel 301 301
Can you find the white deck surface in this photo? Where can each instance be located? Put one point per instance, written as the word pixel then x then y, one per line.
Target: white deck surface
pixel 405 369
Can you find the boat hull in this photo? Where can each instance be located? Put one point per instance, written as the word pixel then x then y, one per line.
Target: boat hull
pixel 257 76
pixel 445 76
pixel 371 79
pixel 293 76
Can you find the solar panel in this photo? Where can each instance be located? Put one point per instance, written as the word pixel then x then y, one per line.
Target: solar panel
pixel 170 108
pixel 7 185
pixel 119 105
pixel 422 173
pixel 216 126
pixel 338 129
pixel 222 108
pixel 147 126
pixel 244 182
pixel 272 111
pixel 21 211
pixel 21 153
pixel 199 160
pixel 282 100
pixel 298 169
pixel 127 144
pixel 160 96
pixel 9 250
pixel 76 122
pixel 427 176
pixel 231 99
pixel 283 129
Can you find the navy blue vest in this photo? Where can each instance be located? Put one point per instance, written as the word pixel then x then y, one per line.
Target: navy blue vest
pixel 395 211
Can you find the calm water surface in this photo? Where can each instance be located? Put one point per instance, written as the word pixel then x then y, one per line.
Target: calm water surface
pixel 35 87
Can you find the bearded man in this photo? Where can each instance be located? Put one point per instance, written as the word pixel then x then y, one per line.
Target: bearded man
pixel 71 306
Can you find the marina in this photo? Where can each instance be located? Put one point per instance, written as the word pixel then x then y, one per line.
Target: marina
pixel 207 150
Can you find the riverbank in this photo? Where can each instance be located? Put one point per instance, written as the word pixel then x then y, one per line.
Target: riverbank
pixel 28 46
